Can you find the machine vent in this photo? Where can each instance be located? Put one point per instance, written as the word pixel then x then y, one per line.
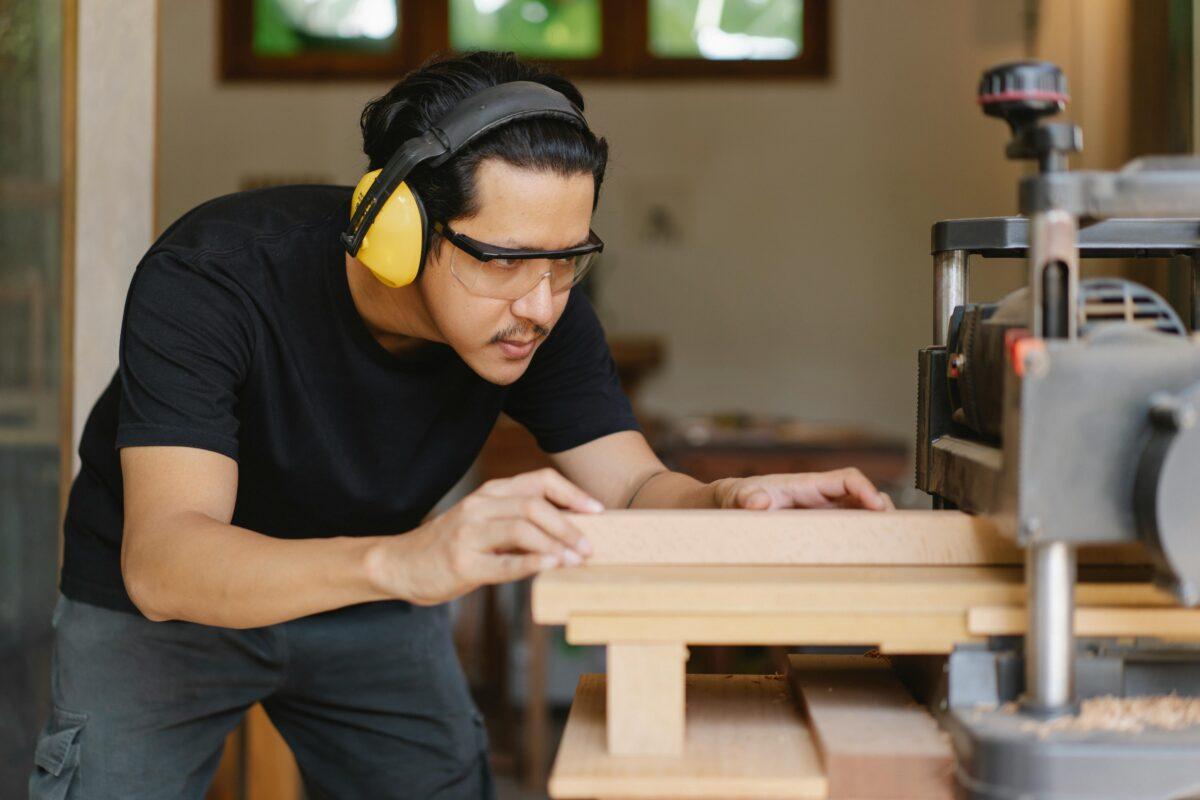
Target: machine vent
pixel 1107 300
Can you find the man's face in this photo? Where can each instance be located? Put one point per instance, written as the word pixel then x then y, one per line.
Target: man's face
pixel 518 208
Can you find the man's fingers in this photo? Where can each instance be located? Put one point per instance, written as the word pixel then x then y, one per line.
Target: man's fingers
pixel 851 485
pixel 542 514
pixel 753 497
pixel 522 535
pixel 554 487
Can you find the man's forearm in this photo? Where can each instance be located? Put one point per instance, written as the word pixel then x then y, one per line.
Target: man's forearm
pixel 674 490
pixel 206 571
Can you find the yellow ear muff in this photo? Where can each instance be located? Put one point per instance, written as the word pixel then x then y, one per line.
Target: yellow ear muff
pixel 394 243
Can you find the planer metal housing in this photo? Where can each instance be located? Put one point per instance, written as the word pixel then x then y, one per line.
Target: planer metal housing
pixel 1069 412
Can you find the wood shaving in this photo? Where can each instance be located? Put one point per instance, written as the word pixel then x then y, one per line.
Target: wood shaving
pixel 1129 714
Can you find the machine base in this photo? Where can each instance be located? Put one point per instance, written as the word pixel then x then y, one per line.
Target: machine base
pixel 1002 756
pixel 1004 753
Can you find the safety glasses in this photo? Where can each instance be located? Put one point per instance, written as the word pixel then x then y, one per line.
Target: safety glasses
pixel 505 273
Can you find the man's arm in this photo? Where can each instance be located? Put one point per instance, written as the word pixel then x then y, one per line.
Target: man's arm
pixel 181 557
pixel 623 472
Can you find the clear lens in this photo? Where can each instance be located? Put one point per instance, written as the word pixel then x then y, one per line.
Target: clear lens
pixel 512 279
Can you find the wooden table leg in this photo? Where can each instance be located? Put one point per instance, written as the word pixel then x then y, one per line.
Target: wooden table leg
pixel 646 698
pixel 537 711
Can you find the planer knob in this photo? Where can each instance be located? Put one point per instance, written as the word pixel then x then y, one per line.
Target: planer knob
pixel 1022 92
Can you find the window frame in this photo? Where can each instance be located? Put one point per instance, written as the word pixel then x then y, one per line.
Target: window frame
pixel 425 29
pixel 238 61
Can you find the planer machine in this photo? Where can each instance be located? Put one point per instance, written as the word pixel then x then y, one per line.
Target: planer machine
pixel 1069 414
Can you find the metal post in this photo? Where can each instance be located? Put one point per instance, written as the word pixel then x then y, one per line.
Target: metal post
pixel 1050 637
pixel 949 291
pixel 1053 246
pixel 1049 564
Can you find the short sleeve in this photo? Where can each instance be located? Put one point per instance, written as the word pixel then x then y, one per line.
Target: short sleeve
pixel 186 344
pixel 570 395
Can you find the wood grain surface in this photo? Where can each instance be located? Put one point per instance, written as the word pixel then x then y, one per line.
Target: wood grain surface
pixel 646 698
pixel 793 537
pixel 928 633
pixel 875 741
pixel 733 590
pixel 745 739
pixel 845 537
pixel 1175 624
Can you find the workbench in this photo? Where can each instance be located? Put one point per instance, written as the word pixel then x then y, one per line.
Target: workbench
pixel 903 583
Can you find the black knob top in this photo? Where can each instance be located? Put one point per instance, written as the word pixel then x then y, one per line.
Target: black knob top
pixel 1023 91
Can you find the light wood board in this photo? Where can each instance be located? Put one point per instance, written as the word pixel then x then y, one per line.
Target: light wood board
pixel 907 633
pixel 875 741
pixel 647 537
pixel 839 537
pixel 646 698
pixel 745 738
pixel 1177 624
pixel 701 590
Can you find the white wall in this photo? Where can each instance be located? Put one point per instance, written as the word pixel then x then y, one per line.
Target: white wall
pixel 114 183
pixel 801 282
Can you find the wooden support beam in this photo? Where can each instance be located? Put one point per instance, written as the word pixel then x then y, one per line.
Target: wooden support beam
pixel 559 594
pixel 911 633
pixel 646 698
pixel 875 740
pixel 1177 624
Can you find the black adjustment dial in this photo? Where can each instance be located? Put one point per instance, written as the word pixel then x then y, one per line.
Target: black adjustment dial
pixel 1022 92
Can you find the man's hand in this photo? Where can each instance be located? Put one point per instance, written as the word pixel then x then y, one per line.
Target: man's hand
pixel 503 531
pixel 841 488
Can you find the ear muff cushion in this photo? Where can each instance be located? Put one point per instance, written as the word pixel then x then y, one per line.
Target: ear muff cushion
pixel 395 244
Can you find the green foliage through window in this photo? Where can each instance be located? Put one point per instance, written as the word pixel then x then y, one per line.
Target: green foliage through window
pixel 549 29
pixel 727 30
pixel 290 27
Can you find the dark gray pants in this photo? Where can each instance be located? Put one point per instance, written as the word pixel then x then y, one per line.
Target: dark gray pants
pixel 371 699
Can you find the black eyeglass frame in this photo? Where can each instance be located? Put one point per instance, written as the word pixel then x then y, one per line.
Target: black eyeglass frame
pixel 482 251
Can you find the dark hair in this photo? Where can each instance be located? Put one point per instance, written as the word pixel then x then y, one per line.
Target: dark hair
pixel 426 94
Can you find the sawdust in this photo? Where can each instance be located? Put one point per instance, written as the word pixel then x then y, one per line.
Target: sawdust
pixel 1128 714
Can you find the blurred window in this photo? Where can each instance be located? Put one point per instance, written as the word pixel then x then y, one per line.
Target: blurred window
pixel 547 29
pixel 383 39
pixel 754 30
pixel 287 27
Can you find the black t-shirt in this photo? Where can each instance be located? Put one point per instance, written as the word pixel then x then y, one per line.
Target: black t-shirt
pixel 240 336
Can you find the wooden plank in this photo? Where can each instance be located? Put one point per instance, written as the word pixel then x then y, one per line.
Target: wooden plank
pixel 646 698
pixel 916 647
pixel 923 633
pixel 559 594
pixel 744 739
pixel 537 706
pixel 1177 624
pixel 644 537
pixel 875 740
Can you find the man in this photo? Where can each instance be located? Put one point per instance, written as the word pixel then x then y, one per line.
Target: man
pixel 249 521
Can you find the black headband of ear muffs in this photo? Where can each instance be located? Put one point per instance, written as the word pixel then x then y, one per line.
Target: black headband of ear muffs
pixel 470 119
